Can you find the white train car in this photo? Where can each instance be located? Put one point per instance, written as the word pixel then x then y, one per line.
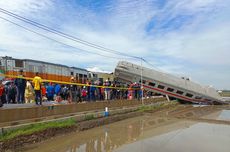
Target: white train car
pixel 166 84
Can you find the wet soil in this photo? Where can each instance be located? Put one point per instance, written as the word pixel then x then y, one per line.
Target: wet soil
pixel 161 131
pixel 14 144
pixel 161 120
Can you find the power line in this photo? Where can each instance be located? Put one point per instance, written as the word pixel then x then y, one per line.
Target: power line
pixel 70 37
pixel 25 28
pixel 62 34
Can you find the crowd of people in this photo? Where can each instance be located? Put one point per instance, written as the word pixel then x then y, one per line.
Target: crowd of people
pixel 22 91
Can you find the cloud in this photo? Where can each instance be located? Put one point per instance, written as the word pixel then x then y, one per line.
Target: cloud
pixel 184 37
pixel 96 69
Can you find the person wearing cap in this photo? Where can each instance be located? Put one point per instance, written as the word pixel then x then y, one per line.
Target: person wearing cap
pixel 20 83
pixel 37 88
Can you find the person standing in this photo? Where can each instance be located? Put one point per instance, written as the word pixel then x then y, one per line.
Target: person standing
pixel 11 92
pixel 1 93
pixel 20 83
pixel 73 90
pixel 84 93
pixel 107 91
pixel 37 88
pixel 29 92
pixel 50 92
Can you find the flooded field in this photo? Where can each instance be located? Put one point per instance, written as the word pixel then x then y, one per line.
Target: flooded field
pixel 167 130
pixel 224 115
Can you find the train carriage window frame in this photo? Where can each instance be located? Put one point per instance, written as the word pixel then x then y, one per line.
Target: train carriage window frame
pixel 198 97
pixel 143 81
pixel 170 89
pixel 152 84
pixel 179 92
pixel 189 95
pixel 160 86
pixel 19 63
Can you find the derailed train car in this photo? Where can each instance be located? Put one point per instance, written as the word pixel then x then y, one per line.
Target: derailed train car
pixel 180 88
pixel 48 71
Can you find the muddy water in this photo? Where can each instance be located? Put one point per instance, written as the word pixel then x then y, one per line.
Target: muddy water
pixel 146 133
pixel 199 137
pixel 224 115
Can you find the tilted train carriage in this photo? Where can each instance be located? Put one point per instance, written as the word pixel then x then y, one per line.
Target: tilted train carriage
pixel 166 84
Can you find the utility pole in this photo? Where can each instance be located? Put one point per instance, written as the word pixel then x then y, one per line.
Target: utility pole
pixel 142 100
pixel 6 57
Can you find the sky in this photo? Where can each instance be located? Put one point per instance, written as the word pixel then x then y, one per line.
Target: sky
pixel 189 38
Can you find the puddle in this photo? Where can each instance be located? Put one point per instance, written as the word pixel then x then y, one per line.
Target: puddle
pixel 145 133
pixel 198 105
pixel 109 137
pixel 224 115
pixel 199 137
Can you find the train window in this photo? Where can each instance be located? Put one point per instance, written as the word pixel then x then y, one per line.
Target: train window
pixel 31 68
pixel 19 63
pixel 40 69
pixel 71 73
pixel 161 87
pixel 170 89
pixel 189 95
pixel 179 92
pixel 143 81
pixel 152 84
pixel 198 97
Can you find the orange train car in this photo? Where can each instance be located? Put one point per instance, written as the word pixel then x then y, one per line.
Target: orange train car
pixel 47 70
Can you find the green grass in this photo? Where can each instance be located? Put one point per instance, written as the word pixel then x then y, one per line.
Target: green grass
pixel 225 94
pixel 27 130
pixel 146 108
pixel 89 117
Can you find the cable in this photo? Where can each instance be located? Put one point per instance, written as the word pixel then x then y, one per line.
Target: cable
pixel 70 37
pixel 73 38
pixel 55 40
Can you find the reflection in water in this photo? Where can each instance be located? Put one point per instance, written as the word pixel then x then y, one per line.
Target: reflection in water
pixel 198 137
pixel 224 115
pixel 101 139
pixel 146 133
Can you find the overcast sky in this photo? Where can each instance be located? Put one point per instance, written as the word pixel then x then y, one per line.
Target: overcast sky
pixel 183 37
